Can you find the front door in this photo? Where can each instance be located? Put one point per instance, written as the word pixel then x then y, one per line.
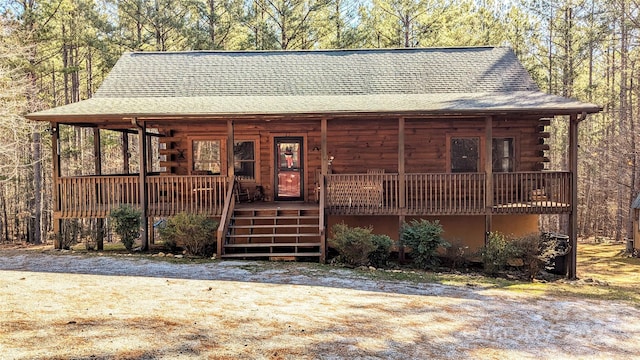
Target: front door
pixel 289 168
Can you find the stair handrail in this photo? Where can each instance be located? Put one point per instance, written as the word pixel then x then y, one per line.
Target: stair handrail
pixel 225 218
pixel 321 226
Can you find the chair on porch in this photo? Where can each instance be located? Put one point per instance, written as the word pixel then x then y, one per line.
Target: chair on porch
pixel 241 194
pixel 376 187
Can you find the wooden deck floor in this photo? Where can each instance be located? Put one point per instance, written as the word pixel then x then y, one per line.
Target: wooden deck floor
pixel 537 207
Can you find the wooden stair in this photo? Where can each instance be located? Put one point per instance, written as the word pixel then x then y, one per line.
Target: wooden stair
pixel 287 232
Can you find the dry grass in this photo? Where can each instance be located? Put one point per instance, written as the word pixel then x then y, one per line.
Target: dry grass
pixel 608 262
pixel 96 307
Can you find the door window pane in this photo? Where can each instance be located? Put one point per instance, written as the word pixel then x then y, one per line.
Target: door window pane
pixel 289 155
pixel 464 154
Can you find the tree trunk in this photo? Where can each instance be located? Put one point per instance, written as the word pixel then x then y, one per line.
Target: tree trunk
pixel 212 23
pixel 89 73
pixel 4 212
pixel 37 186
pixel 65 66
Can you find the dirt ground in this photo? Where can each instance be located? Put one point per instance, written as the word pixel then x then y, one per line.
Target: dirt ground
pixel 74 306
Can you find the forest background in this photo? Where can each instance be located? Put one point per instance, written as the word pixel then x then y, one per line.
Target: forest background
pixel 56 52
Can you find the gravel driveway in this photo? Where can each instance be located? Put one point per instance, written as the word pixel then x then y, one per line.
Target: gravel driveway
pixel 96 307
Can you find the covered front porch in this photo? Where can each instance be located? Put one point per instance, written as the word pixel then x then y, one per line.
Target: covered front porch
pixel 547 192
pixel 350 186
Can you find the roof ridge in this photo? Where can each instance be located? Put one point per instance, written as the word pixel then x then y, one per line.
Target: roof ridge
pixel 311 51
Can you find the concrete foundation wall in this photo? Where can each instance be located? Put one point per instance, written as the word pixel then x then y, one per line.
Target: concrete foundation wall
pixel 459 230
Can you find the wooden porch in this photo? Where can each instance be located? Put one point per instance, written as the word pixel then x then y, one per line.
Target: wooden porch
pixel 344 194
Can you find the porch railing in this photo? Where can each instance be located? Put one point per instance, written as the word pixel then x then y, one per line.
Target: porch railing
pixel 96 196
pixel 532 192
pixel 445 193
pixel 89 196
pixel 448 193
pixel 173 194
pixel 345 194
pixel 362 193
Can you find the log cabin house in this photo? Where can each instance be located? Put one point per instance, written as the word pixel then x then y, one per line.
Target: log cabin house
pixel 365 137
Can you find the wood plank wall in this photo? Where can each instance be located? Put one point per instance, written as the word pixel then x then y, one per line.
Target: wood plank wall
pixel 361 144
pixel 426 141
pixel 180 134
pixel 357 144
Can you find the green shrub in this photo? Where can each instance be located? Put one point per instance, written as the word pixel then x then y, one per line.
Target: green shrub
pixel 423 237
pixel 195 233
pixel 535 253
pixel 457 255
pixel 354 244
pixel 497 252
pixel 126 223
pixel 380 256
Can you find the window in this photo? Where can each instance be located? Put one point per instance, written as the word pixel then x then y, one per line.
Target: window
pixel 502 154
pixel 206 156
pixel 244 159
pixel 465 156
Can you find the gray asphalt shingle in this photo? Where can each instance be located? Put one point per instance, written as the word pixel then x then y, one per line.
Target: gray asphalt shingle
pixel 323 81
pixel 316 73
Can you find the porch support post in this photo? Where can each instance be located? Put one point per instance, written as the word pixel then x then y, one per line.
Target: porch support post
pixel 573 215
pixel 125 152
pixel 488 170
pixel 324 169
pixel 142 183
pixel 401 170
pixel 323 147
pixel 97 153
pixel 55 151
pixel 149 154
pixel 401 185
pixel 230 143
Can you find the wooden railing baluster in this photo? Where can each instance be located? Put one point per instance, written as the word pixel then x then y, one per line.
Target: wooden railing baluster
pixel 96 196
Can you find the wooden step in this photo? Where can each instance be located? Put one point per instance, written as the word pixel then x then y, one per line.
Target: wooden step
pixel 258 217
pixel 269 235
pixel 259 245
pixel 274 226
pixel 248 255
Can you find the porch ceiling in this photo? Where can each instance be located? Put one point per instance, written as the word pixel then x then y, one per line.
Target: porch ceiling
pixel 114 109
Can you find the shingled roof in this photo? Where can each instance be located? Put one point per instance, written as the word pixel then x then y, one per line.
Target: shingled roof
pixel 201 83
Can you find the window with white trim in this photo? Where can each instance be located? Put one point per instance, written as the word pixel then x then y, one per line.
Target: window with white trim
pixel 244 159
pixel 502 154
